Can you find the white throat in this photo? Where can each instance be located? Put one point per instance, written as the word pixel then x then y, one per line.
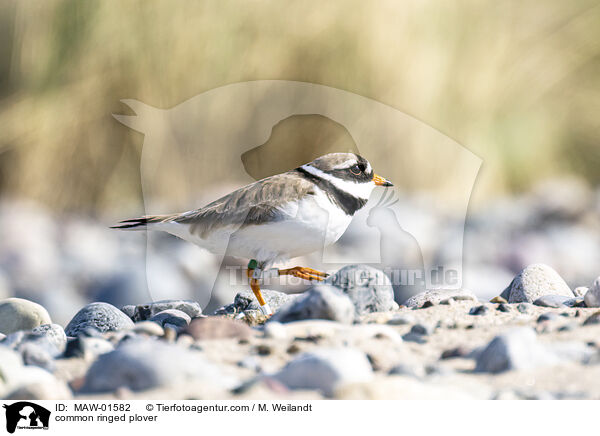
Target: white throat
pixel 359 190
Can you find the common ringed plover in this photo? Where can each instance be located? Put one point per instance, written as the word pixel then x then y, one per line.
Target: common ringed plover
pixel 277 218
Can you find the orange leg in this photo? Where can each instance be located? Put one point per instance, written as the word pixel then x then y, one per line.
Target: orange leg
pixel 254 285
pixel 304 273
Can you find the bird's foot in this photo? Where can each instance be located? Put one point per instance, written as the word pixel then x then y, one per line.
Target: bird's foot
pixel 304 273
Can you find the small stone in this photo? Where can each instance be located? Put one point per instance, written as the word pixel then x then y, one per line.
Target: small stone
pixel 319 302
pixel 535 281
pixel 592 296
pixel 514 350
pixel 524 307
pixel 293 349
pixel 401 320
pixel 145 311
pixel 101 316
pixel 593 319
pixel 217 327
pixel 427 304
pixel 20 314
pixel 550 316
pixel 580 291
pixel 555 301
pixel 145 364
pixel 455 352
pixel 421 329
pixel 369 289
pixel 326 370
pixel 263 350
pixel 414 371
pixel 54 334
pixel 503 307
pixel 175 317
pixel 246 301
pixel 88 347
pixel 479 310
pixel 435 296
pixel 498 300
pixel 149 328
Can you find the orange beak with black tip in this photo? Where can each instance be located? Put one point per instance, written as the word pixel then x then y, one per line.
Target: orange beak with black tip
pixel 380 181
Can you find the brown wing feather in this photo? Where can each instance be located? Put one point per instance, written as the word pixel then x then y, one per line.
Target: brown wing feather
pixel 256 203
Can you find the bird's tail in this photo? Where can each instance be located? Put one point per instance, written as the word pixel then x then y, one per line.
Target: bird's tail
pixel 142 223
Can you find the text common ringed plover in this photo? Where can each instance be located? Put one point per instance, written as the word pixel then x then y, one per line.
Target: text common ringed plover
pixel 277 218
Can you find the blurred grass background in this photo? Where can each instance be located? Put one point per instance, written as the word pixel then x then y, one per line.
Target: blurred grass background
pixel 516 82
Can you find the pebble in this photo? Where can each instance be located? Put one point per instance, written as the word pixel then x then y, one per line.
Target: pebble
pixel 592 319
pixel 580 291
pixel 319 302
pixel 143 312
pixel 535 281
pixel 369 289
pixel 555 301
pixel 503 307
pixel 455 352
pixel 176 318
pixel 479 310
pixel 20 314
pixel 524 307
pixel 499 300
pixel 401 320
pixel 218 327
pixel 246 300
pixel 514 350
pixel 54 333
pixel 149 328
pixel 550 316
pixel 145 364
pixel 101 316
pixel 88 347
pixel 592 296
pixel 325 370
pixel 435 296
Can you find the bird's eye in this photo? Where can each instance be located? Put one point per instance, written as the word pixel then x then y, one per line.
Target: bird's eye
pixel 356 169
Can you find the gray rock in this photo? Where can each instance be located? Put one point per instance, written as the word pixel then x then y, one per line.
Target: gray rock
pixel 101 316
pixel 88 347
pixel 174 317
pixel 319 302
pixel 435 296
pixel 36 354
pixel 524 307
pixel 550 316
pixel 149 328
pixel 246 300
pixel 20 314
pixel 143 312
pixel 555 301
pixel 479 310
pixel 514 350
pixel 415 371
pixel 401 320
pixel 503 307
pixel 422 329
pixel 369 289
pixel 326 369
pixel 55 335
pixel 535 281
pixel 592 296
pixel 519 349
pixel 145 364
